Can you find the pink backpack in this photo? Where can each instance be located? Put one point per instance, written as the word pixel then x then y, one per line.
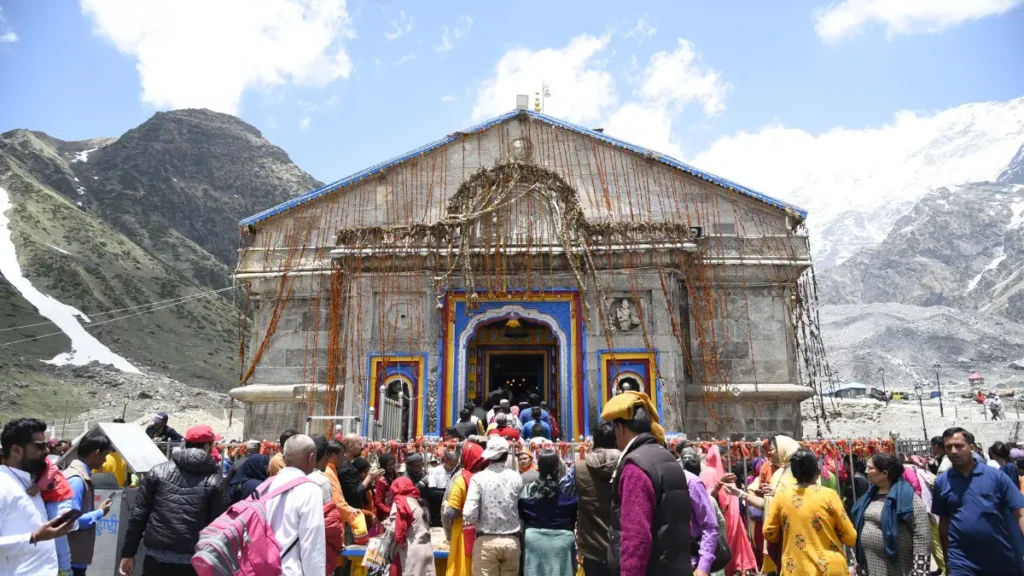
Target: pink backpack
pixel 240 542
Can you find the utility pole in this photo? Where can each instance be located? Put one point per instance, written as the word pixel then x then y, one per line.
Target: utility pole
pixel 884 390
pixel 920 392
pixel 938 385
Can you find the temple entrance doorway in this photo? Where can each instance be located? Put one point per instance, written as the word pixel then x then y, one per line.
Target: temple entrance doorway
pixel 516 358
pixel 520 375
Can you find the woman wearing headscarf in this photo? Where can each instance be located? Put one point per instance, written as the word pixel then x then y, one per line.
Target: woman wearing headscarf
pixel 412 529
pixel 714 477
pixel 460 548
pixel 893 532
pixel 549 518
pixel 781 450
pixel 248 477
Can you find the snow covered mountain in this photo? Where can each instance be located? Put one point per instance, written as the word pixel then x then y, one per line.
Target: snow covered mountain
pixel 961 246
pixel 856 184
pixel 946 284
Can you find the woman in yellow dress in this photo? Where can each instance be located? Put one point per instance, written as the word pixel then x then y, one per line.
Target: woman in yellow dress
pixel 460 544
pixel 810 523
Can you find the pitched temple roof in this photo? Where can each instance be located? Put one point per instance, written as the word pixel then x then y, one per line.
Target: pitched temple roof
pixel 377 168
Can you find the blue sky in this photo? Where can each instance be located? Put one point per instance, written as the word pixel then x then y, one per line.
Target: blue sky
pixel 342 86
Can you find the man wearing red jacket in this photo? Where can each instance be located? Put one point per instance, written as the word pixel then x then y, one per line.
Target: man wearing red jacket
pixel 501 428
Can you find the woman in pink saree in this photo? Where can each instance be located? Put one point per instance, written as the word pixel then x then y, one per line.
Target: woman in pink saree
pixel 743 561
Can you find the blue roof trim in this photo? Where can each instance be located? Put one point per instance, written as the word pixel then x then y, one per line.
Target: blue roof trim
pixel 669 161
pixel 377 168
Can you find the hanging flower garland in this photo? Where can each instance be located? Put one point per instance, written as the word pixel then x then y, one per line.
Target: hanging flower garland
pixel 824 449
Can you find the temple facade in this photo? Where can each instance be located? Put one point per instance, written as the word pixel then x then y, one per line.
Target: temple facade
pixel 527 255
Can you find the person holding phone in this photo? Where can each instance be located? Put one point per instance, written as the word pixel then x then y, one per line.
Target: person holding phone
pixel 26 537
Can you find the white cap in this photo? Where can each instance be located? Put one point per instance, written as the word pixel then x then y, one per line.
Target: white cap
pixel 496 446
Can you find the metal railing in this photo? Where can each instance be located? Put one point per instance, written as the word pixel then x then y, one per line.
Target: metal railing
pixel 347 425
pixel 388 426
pixel 167 447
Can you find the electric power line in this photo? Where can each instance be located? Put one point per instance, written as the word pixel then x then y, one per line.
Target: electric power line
pixel 93 325
pixel 186 297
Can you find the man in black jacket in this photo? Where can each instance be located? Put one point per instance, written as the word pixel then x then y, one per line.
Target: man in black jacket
pixel 176 500
pixel 159 431
pixel 352 487
pixel 465 426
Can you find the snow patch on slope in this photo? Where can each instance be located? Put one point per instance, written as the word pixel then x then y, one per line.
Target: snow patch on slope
pixel 85 348
pixel 1018 215
pixel 991 266
pixel 83 156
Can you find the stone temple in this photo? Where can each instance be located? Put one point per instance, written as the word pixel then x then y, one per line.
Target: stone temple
pixel 528 255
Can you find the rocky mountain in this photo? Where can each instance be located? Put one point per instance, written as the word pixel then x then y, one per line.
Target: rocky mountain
pixel 959 246
pixel 854 197
pixel 1014 173
pixel 905 341
pixel 946 284
pixel 101 229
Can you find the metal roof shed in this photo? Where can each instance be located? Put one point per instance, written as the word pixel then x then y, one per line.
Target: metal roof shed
pixel 137 449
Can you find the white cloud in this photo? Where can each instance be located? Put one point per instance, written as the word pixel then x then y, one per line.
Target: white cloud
pixel 448 98
pixel 645 125
pixel 846 18
pixel 311 107
pixel 677 78
pixel 583 92
pixel 669 82
pixel 405 59
pixel 642 31
pixel 448 36
pixel 400 27
pixel 271 123
pixel 194 53
pixel 579 92
pixel 6 34
pixel 304 123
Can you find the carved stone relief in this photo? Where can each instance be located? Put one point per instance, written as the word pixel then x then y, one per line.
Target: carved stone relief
pixel 623 314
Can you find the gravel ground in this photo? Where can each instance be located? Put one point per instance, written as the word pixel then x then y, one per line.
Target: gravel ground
pixel 867 418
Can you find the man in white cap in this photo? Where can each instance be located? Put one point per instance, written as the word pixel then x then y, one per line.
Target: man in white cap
pixel 496 517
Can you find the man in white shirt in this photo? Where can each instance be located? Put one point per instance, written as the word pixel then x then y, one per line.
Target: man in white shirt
pixel 26 537
pixel 496 517
pixel 297 516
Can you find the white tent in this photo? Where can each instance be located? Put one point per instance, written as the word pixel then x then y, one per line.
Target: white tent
pixel 130 441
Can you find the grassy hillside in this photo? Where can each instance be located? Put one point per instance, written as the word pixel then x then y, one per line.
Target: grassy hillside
pixel 102 270
pixel 111 224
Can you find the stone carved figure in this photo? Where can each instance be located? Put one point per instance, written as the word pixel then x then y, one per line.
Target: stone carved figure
pixel 624 316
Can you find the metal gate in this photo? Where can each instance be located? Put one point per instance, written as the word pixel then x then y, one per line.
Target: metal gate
pixel 388 426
